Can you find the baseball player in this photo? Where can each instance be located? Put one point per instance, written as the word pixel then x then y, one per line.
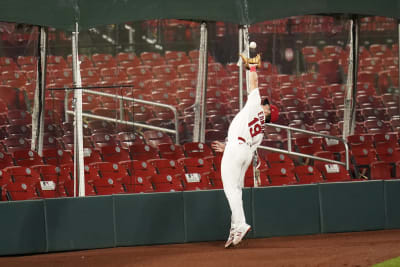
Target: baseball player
pixel 244 135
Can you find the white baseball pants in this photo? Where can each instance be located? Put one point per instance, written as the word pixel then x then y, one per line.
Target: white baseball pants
pixel 235 161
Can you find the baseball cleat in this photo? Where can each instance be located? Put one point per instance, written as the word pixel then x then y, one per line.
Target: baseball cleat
pixel 230 238
pixel 240 234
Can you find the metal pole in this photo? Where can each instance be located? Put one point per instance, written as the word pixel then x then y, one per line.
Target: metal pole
pixel 247 52
pixel 141 101
pixel 398 59
pixel 204 87
pixel 78 126
pixel 349 101
pixel 240 68
pixel 199 86
pixel 39 105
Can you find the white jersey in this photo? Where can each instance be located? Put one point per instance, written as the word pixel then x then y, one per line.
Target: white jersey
pixel 248 124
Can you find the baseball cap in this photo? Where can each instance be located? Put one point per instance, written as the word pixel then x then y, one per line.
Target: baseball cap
pixel 274 113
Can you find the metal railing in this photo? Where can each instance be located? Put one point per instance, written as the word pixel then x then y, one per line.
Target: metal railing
pixel 289 151
pixel 136 124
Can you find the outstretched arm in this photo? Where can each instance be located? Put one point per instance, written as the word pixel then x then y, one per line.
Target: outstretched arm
pixel 253 81
pixel 218 146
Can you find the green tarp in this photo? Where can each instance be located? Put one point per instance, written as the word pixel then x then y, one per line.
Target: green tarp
pixel 63 14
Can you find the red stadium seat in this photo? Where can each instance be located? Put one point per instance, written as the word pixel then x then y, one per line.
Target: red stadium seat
pixel 23 174
pixel 154 138
pixel 143 152
pixel 196 149
pixel 108 186
pixel 334 172
pixel 26 158
pixel 382 170
pixel 362 157
pixel 45 189
pixel 308 174
pixel 114 154
pixel 139 168
pixel 6 160
pixel 69 189
pixel 166 183
pixel 170 151
pixel 137 184
pixel 279 174
pixel 109 169
pixel 197 173
pixel 20 191
pixel 168 166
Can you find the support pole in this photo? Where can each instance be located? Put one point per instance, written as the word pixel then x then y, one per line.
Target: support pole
pixel 39 104
pixel 78 124
pixel 351 85
pixel 398 60
pixel 199 105
pixel 240 68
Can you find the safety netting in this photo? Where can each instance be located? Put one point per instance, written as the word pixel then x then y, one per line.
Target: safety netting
pixel 127 69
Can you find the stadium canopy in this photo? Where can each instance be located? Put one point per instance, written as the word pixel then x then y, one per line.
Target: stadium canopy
pixel 64 14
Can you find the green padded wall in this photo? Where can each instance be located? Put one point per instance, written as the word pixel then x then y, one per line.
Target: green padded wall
pixel 208 216
pixel 289 210
pixel 392 199
pixel 352 206
pixel 80 223
pixel 145 219
pixel 23 228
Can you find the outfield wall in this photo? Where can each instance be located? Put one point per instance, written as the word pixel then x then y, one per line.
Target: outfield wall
pixel 66 224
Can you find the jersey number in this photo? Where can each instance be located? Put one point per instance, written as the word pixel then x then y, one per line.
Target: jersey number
pixel 255 128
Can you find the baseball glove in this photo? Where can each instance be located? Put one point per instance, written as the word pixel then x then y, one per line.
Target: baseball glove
pixel 251 61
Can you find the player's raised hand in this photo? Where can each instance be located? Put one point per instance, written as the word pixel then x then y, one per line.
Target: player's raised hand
pixel 218 146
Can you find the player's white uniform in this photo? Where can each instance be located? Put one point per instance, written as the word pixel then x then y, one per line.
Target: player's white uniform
pixel 244 135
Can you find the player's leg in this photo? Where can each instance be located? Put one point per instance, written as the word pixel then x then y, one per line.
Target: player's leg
pixel 242 227
pixel 233 167
pixel 230 173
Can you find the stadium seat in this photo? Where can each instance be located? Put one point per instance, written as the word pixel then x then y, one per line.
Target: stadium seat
pixel 103 139
pixel 279 174
pixel 46 189
pixel 166 183
pixel 14 143
pixel 170 151
pixel 6 160
pixel 137 184
pixel 108 186
pixel 197 173
pixel 20 191
pixel 386 139
pixel 114 154
pixel 197 150
pixel 69 189
pixel 154 138
pixel 362 158
pixel 5 178
pixel 108 169
pixel 26 158
pixel 308 174
pixel 334 172
pixel 139 168
pixel 388 154
pixel 23 174
pixel 143 152
pixel 168 166
pixel 382 170
pixel 360 140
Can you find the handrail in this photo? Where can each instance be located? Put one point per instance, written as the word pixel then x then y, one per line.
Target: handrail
pixel 121 121
pixel 290 152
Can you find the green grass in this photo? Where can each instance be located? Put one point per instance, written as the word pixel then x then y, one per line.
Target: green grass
pixel 389 263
